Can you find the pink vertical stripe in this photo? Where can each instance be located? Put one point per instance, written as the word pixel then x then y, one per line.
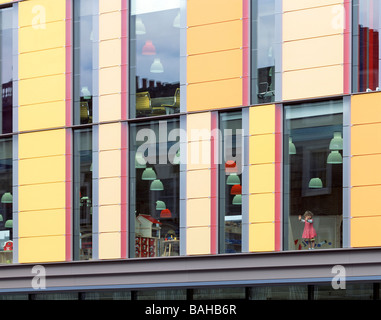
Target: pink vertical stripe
pixel 214 190
pixel 124 83
pixel 347 47
pixel 245 53
pixel 68 121
pixel 278 176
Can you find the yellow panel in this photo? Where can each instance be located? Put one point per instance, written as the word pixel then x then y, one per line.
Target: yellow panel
pixel 110 53
pixel 32 39
pixel 109 245
pixel 43 143
pixel 42 170
pixel 262 237
pixel 42 116
pixel 290 5
pixel 365 108
pixel 215 94
pixel 199 126
pixel 214 66
pixel 198 184
pixel 365 170
pixel 110 136
pixel 262 119
pixel 41 223
pixel 38 12
pixel 365 201
pixel 198 240
pixel 365 139
pixel 214 37
pixel 109 191
pixel 204 12
pixel 40 90
pixel 109 163
pixel 109 218
pixel 311 83
pixel 262 149
pixel 198 212
pixel 311 53
pixel 109 5
pixel 42 249
pixel 42 196
pixel 262 207
pixel 199 155
pixel 262 178
pixel 42 63
pixel 365 232
pixel 110 25
pixel 110 107
pixel 310 23
pixel 110 80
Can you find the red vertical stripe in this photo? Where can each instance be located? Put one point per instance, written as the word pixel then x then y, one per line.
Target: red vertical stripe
pixel 214 187
pixel 278 176
pixel 246 53
pixel 68 121
pixel 347 46
pixel 124 113
pixel 371 60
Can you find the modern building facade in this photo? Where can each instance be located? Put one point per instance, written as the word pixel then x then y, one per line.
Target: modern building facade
pixel 168 149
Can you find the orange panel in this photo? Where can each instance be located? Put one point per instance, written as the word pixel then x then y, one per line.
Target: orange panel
pixel 365 201
pixel 365 139
pixel 365 170
pixel 365 108
pixel 365 232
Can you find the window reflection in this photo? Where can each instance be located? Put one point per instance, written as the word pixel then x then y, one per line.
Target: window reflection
pixel 313 174
pixel 366 43
pixel 154 189
pixel 263 54
pixel 6 217
pixel 230 224
pixel 83 206
pixel 154 57
pixel 83 61
pixel 6 101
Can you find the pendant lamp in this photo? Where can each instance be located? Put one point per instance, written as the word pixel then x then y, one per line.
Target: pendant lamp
pixel 139 26
pixel 336 142
pixel 149 49
pixel 166 213
pixel 315 183
pixel 140 163
pixel 160 205
pixel 237 200
pixel 7 198
pixel 156 66
pixel 176 21
pixel 334 157
pixel 233 179
pixel 149 174
pixel 176 158
pixel 291 146
pixel 230 166
pixel 236 189
pixel 156 185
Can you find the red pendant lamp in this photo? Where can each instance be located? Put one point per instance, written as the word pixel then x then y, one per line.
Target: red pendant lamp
pixel 236 189
pixel 149 49
pixel 230 166
pixel 166 213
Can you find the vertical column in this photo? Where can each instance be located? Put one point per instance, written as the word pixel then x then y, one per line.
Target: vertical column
pixel 198 184
pixel 42 154
pixel 264 179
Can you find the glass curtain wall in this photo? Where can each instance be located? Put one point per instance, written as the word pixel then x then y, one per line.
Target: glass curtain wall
pixel 263 51
pixel 6 217
pixel 154 189
pixel 313 175
pixel 366 45
pixel 83 36
pixel 82 197
pixel 6 70
pixel 230 183
pixel 154 57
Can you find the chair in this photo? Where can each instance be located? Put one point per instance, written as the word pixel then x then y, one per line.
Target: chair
pixel 175 107
pixel 143 103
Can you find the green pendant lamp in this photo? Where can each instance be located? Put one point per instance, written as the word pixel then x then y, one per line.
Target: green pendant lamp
pixel 7 198
pixel 149 174
pixel 237 200
pixel 160 205
pixel 156 185
pixel 315 183
pixel 140 162
pixel 233 179
pixel 334 157
pixel 336 142
pixel 291 146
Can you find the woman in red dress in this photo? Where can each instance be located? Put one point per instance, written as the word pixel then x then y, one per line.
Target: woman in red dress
pixel 309 232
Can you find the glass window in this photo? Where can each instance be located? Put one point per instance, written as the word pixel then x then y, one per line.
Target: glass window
pixel 83 61
pixel 6 70
pixel 82 197
pixel 313 175
pixel 285 292
pixel 154 189
pixel 230 186
pixel 6 217
pixel 263 51
pixel 352 291
pixel 154 57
